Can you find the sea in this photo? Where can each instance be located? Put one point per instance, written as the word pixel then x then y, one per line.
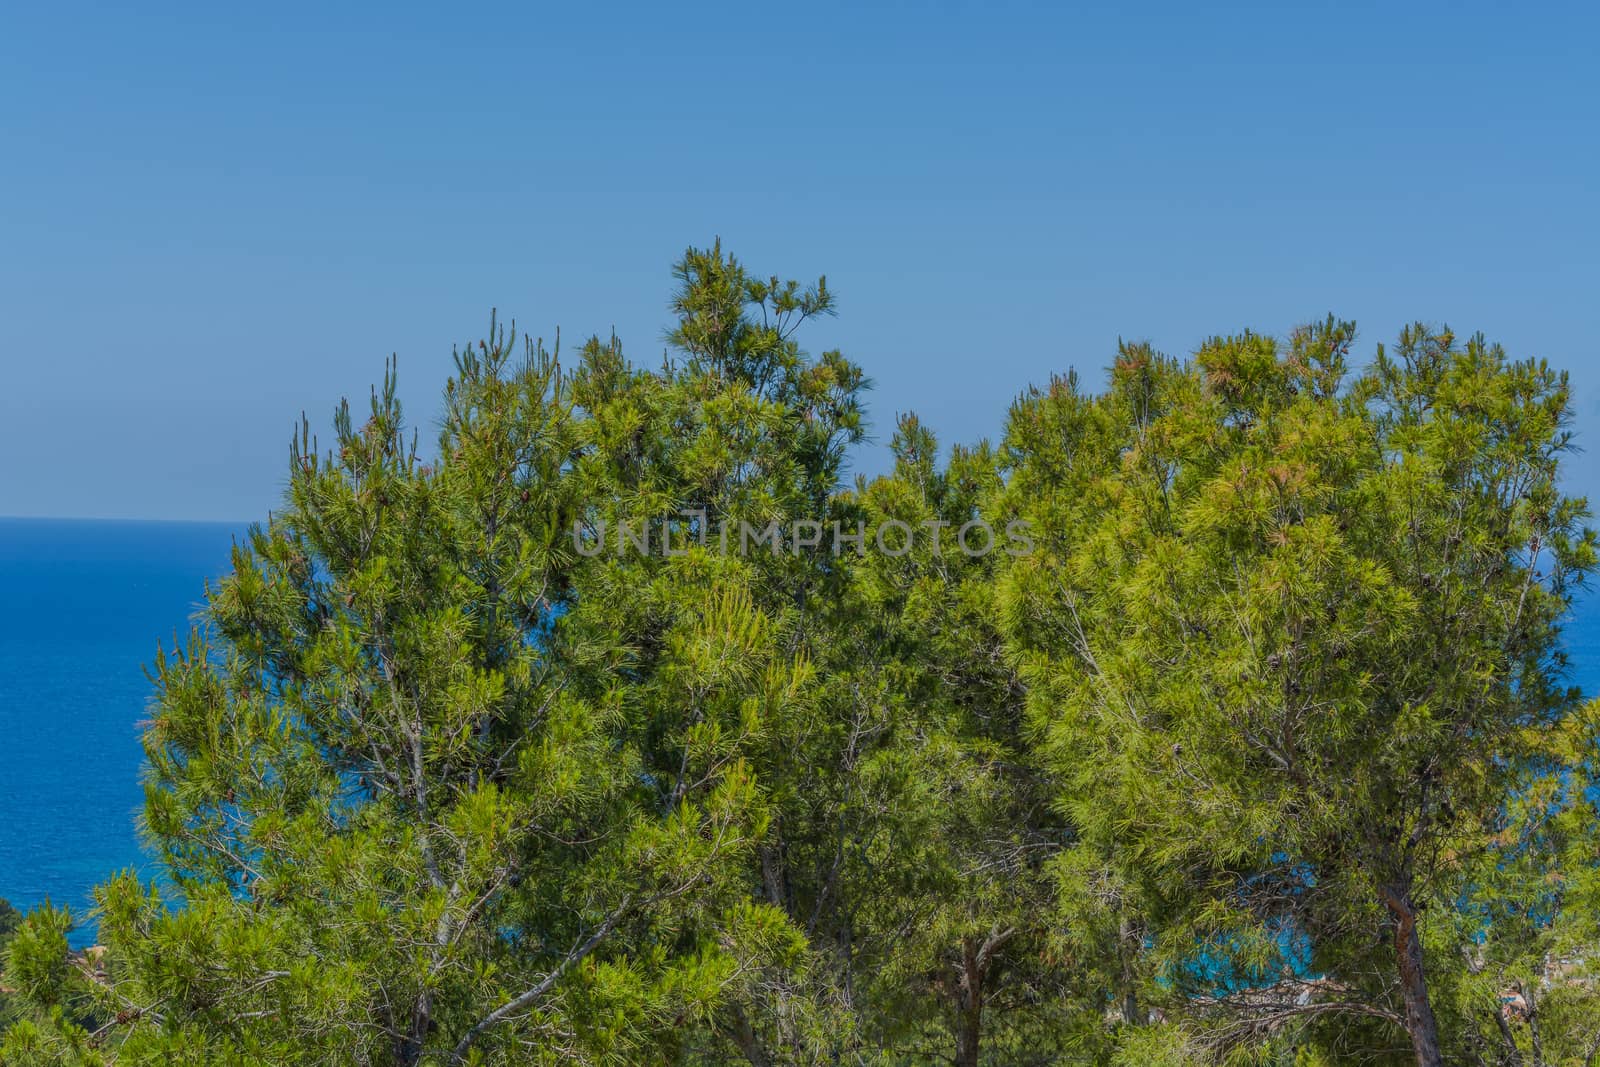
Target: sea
pixel 83 605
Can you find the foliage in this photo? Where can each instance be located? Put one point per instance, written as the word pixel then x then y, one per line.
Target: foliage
pixel 1300 656
pixel 1246 741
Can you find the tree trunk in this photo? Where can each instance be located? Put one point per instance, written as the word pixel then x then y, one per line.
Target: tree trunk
pixel 1127 949
pixel 969 1006
pixel 1420 1022
pixel 744 1035
pixel 415 1038
pixel 773 882
pixel 968 1034
pixel 1531 995
pixel 1513 1056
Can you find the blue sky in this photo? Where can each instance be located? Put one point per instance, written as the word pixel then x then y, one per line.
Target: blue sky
pixel 215 217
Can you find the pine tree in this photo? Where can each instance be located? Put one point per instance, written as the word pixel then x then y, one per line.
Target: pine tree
pixel 590 736
pixel 948 876
pixel 1298 660
pixel 424 787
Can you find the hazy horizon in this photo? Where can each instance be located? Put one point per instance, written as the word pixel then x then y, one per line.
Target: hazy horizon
pixel 236 216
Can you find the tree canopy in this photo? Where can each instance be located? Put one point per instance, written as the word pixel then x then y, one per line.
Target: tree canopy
pixel 1220 715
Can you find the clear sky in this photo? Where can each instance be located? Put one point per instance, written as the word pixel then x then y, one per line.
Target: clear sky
pixel 214 217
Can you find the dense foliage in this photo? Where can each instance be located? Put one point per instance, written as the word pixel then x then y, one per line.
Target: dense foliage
pixel 582 737
pixel 10 919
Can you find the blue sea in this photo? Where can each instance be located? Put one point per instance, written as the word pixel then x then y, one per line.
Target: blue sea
pixel 82 607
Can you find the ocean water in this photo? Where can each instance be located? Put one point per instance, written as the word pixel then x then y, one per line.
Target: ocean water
pixel 82 606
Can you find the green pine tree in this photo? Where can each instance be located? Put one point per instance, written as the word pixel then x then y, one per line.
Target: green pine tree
pixel 1298 656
